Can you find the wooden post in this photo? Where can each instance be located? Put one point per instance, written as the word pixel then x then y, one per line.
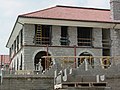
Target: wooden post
pixel 75 55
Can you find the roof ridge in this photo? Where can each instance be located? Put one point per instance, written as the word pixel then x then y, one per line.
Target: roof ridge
pixel 38 11
pixel 82 7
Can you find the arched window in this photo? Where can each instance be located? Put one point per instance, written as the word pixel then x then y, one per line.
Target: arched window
pixel 14 64
pixel 86 56
pixel 21 62
pixel 17 64
pixel 106 62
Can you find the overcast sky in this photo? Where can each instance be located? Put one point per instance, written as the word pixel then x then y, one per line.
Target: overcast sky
pixel 10 9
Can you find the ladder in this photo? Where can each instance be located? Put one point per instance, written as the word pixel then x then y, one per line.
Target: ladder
pixel 39 34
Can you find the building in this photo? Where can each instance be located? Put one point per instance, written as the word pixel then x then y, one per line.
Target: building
pixel 4 61
pixel 58 30
pixel 65 36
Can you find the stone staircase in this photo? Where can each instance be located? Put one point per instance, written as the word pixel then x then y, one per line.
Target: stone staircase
pixel 81 79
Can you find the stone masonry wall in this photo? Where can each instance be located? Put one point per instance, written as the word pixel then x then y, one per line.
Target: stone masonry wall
pixel 97 37
pixel 115 42
pixel 115 6
pixel 29 37
pixel 72 32
pixel 30 52
pixel 44 83
pixel 27 83
pixel 56 32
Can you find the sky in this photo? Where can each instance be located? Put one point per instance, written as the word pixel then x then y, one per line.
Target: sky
pixel 10 9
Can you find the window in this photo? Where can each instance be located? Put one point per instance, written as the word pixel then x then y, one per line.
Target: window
pixel 106 62
pixel 106 43
pixel 17 43
pixel 84 36
pixel 14 64
pixel 14 46
pixel 21 63
pixel 43 34
pixel 17 64
pixel 21 40
pixel 10 51
pixel 106 38
pixel 64 40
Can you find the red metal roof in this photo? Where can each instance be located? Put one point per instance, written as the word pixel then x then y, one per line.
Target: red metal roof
pixel 72 13
pixel 5 59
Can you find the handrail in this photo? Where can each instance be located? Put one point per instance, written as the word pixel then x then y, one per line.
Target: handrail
pixel 105 61
pixel 85 38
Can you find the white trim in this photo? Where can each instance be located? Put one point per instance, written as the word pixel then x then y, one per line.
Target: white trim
pixel 65 22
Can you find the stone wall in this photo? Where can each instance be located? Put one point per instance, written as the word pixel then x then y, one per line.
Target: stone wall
pixel 45 83
pixel 115 44
pixel 115 5
pixel 30 53
pixel 29 33
pixel 27 83
pixel 97 37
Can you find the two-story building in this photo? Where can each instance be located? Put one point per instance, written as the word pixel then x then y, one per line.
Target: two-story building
pixel 63 31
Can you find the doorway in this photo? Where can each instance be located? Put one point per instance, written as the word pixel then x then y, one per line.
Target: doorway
pixel 41 63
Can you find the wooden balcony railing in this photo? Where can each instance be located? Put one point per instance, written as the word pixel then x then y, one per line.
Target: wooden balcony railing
pixel 64 41
pixel 70 62
pixel 106 43
pixel 84 41
pixel 43 40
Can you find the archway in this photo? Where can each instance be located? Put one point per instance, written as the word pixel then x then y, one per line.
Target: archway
pixel 40 62
pixel 21 65
pixel 88 57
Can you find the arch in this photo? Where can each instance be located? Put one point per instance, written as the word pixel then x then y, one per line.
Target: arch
pixel 21 65
pixel 86 50
pixel 106 62
pixel 42 63
pixel 89 59
pixel 17 64
pixel 14 64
